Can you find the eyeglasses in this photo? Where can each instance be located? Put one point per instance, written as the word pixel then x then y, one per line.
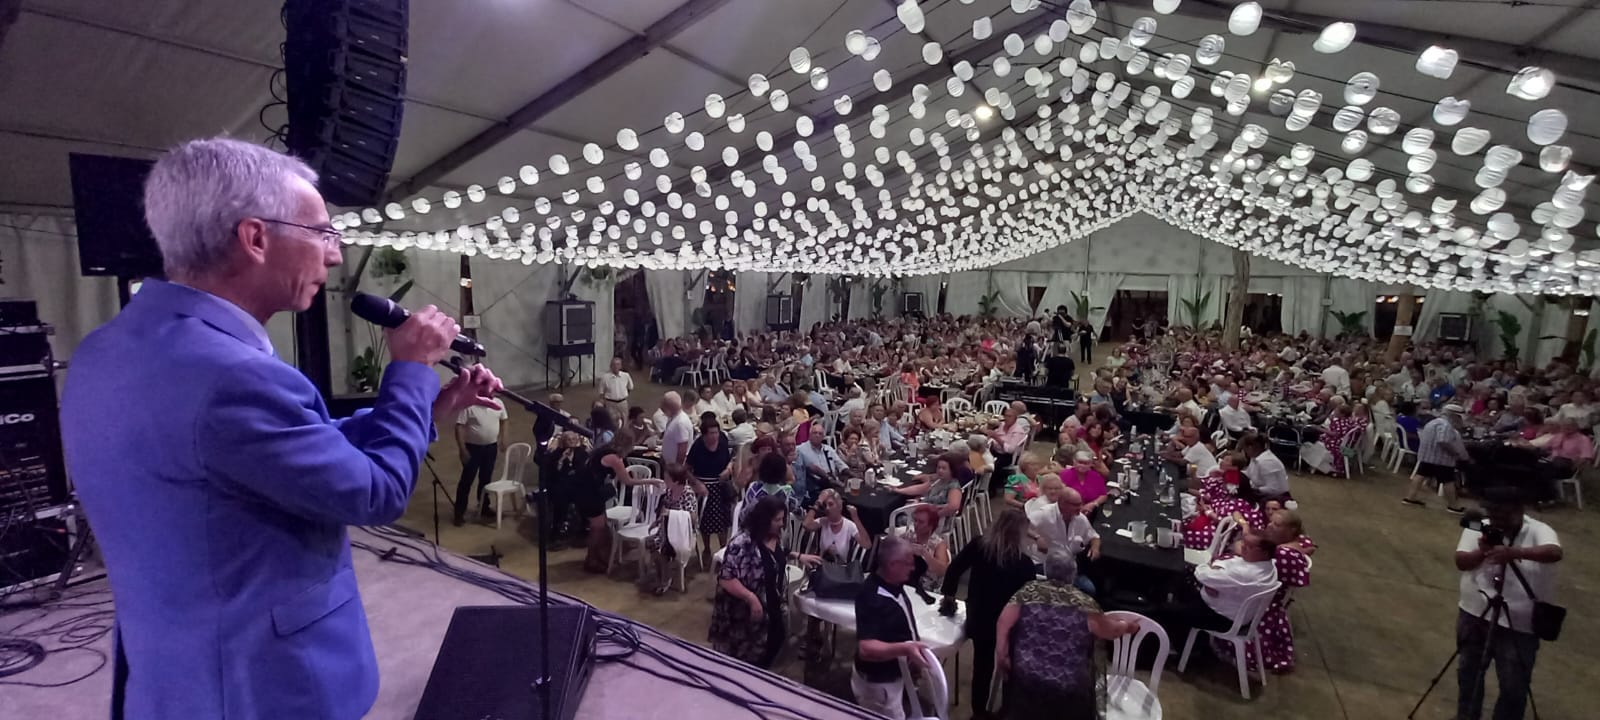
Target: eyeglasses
pixel 330 236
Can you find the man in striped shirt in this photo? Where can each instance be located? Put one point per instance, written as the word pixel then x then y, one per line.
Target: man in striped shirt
pixel 1439 450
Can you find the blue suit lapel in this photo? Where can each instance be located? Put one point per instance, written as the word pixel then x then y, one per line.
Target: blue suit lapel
pixel 166 298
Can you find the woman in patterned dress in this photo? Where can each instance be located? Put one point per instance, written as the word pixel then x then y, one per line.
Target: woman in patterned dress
pixel 1048 648
pixel 1329 457
pixel 747 619
pixel 710 461
pixel 1294 570
pixel 677 494
pixel 1216 499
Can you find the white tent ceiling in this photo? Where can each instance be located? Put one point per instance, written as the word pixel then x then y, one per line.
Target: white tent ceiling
pixel 136 77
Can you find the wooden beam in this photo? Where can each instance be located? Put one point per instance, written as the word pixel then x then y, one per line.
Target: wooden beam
pixel 593 74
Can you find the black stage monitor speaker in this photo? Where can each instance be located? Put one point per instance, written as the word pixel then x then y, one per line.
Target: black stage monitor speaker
pixel 780 312
pixel 108 205
pixel 569 327
pixel 911 303
pixel 33 475
pixel 489 661
pixel 1455 327
pixel 345 70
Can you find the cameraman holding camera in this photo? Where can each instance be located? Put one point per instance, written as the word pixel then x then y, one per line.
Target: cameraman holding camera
pixel 1508 556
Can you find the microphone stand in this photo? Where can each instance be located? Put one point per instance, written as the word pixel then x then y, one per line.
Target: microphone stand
pixel 542 680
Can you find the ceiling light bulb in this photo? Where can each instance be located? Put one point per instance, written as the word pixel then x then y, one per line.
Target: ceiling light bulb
pixel 984 112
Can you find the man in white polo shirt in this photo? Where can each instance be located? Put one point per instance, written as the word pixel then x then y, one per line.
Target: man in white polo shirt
pixel 615 385
pixel 677 431
pixel 479 432
pixel 1061 525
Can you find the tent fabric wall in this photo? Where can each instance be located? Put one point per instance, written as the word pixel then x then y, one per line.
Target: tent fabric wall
pixel 929 286
pixel 814 303
pixel 39 261
pixel 1102 290
pixel 1302 308
pixel 1060 289
pixel 1435 303
pixel 603 293
pixel 665 288
pixel 964 292
pixel 750 302
pixel 1013 289
pixel 1181 288
pixel 1350 296
pixel 1553 324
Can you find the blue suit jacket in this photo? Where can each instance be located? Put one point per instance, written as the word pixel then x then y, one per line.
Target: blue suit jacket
pixel 220 490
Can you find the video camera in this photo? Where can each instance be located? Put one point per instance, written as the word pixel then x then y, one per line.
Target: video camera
pixel 1477 520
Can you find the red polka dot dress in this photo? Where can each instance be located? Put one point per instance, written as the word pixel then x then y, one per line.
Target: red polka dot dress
pixel 1277 638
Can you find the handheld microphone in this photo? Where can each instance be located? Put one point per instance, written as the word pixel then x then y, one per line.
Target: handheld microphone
pixel 383 312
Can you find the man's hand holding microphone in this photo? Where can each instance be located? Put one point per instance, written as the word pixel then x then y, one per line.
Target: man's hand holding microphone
pixel 425 337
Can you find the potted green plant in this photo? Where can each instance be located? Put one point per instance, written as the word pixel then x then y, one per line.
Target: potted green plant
pixel 1196 307
pixel 1350 323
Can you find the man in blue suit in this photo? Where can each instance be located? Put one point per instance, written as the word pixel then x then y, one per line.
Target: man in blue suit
pixel 211 472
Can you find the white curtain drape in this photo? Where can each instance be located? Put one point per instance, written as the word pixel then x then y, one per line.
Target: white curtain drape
pixel 1434 303
pixel 966 289
pixel 929 286
pixel 1350 296
pixel 814 302
pixel 1013 289
pixel 603 294
pixel 1553 325
pixel 750 302
pixel 665 288
pixel 1059 292
pixel 39 261
pixel 1302 306
pixel 1181 288
pixel 1102 290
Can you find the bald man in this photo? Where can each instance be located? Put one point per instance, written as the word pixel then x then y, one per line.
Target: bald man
pixel 677 430
pixel 1062 526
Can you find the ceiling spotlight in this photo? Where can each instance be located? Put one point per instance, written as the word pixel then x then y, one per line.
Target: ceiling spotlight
pixel 984 112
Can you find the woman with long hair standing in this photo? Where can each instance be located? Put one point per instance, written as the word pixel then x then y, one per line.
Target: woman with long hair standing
pixel 607 471
pixel 747 620
pixel 710 461
pixel 1000 568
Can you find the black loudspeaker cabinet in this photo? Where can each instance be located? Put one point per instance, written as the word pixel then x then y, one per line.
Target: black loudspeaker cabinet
pixel 345 70
pixel 569 327
pixel 108 208
pixel 32 472
pixel 911 304
pixel 780 312
pixel 488 664
pixel 1455 327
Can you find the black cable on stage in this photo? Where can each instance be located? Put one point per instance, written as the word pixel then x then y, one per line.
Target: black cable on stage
pixel 613 630
pixel 77 620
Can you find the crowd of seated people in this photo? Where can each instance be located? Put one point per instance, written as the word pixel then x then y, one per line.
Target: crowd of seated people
pixel 781 423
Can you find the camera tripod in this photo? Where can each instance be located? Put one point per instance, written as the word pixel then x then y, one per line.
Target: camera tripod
pixel 1497 609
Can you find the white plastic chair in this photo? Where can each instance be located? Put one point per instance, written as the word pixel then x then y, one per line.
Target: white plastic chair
pixel 1400 452
pixel 996 407
pixel 1123 687
pixel 957 407
pixel 622 513
pixel 1577 490
pixel 695 375
pixel 938 688
pixel 1219 539
pixel 637 527
pixel 1350 448
pixel 510 482
pixel 1246 631
pixel 901 517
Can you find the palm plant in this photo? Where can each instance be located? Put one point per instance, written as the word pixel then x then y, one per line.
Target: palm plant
pixel 1080 306
pixel 1351 323
pixel 878 291
pixel 989 305
pixel 1196 307
pixel 1510 328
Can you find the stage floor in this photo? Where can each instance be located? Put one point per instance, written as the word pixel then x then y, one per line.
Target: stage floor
pixel 408 609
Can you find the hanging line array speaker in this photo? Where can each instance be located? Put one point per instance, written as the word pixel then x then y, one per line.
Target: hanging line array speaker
pixel 345 70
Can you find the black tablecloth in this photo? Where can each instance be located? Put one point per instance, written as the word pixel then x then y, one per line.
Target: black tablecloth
pixel 875 506
pixel 1143 571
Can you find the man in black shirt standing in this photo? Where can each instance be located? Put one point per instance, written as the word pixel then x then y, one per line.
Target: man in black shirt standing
pixel 886 632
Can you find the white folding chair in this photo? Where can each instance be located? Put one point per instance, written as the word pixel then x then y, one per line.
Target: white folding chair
pixel 938 689
pixel 695 375
pixel 510 483
pixel 1219 539
pixel 637 527
pixel 901 517
pixel 1350 448
pixel 1246 631
pixel 996 407
pixel 957 407
pixel 620 514
pixel 1577 490
pixel 1124 690
pixel 1402 449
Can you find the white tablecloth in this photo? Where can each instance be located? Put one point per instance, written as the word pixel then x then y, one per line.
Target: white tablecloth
pixel 943 635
